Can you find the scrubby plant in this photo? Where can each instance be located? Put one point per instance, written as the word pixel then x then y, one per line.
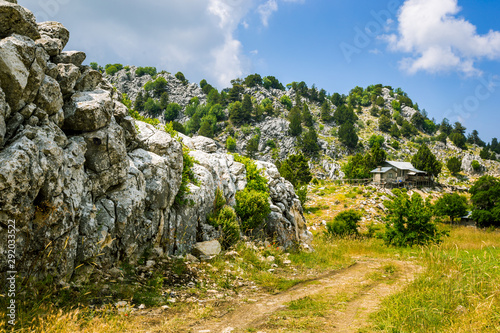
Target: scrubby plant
pixel 252 207
pixel 181 78
pixel 231 144
pixel 409 221
pixel 454 165
pixel 187 177
pixel 285 100
pixel 344 224
pixel 451 205
pixel 172 111
pixel 476 166
pixel 225 218
pixel 140 71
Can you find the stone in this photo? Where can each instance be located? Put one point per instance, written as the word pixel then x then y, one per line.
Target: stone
pixel 67 76
pixel 51 45
pixel 89 80
pixel 200 143
pixel 207 249
pixel 49 96
pixel 88 111
pixel 191 258
pixel 54 30
pixel 17 54
pixel 106 157
pixel 70 57
pixel 15 19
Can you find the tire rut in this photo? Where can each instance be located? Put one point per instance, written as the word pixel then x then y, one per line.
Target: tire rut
pixel 351 319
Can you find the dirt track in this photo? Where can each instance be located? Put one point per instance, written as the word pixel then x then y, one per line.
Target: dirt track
pixel 357 280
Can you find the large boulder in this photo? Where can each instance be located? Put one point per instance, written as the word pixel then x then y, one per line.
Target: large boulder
pixel 88 111
pixel 21 70
pixel 89 80
pixel 67 76
pixel 70 57
pixel 4 113
pixel 106 157
pixel 207 249
pixel 49 96
pixel 15 19
pixel 54 30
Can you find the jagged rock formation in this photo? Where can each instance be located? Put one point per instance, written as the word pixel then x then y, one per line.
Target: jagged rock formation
pixel 86 183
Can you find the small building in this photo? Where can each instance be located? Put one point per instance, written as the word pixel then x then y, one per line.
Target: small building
pixel 391 172
pixel 467 220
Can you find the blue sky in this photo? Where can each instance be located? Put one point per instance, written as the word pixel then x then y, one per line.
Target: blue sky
pixel 444 53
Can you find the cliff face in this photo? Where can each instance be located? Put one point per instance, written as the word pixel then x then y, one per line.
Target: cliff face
pixel 87 184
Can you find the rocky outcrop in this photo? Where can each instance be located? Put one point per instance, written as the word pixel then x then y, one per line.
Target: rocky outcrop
pixel 86 183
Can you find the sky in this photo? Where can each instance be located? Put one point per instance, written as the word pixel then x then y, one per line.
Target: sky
pixel 444 53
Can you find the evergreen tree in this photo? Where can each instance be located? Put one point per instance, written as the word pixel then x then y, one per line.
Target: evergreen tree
pixel 425 160
pixel 236 113
pixel 139 102
pixel 310 144
pixel 164 101
pixel 295 122
pixel 454 165
pixel 485 154
pixel 247 108
pixel 307 116
pixel 445 127
pixel 326 115
pixel 296 170
pixel 344 114
pixel 394 131
pixel 347 135
pixel 384 124
pixel 172 111
pixel 337 100
pixel 253 146
pixel 206 129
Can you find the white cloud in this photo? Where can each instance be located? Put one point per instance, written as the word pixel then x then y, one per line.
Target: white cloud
pixel 439 40
pixel 197 37
pixel 266 10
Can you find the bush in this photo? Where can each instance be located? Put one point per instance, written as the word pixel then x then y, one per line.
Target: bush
pixel 395 144
pixel 344 224
pixel 231 144
pixel 376 139
pixel 252 207
pixel 454 165
pixel 225 218
pixel 187 178
pixel 486 207
pixel 408 221
pixel 476 166
pixel 111 70
pixel 157 86
pixel 181 78
pixel 140 71
pixel 285 100
pixel 172 111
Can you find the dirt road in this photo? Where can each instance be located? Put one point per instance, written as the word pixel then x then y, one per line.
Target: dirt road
pixel 363 285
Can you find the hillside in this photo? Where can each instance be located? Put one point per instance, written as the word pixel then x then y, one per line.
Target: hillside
pixel 264 133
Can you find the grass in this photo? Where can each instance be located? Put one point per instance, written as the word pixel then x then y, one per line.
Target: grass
pixel 458 292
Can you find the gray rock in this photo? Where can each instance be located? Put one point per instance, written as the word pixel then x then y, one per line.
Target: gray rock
pixel 54 30
pixel 106 157
pixel 89 80
pixel 15 19
pixel 70 57
pixel 49 96
pixel 88 111
pixel 207 249
pixel 199 143
pixel 67 76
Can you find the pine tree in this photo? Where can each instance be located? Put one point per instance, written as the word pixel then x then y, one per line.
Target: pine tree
pixel 326 115
pixel 295 122
pixel 347 135
pixel 246 108
pixel 206 129
pixel 425 160
pixel 384 124
pixel 310 142
pixel 307 116
pixel 454 165
pixel 139 102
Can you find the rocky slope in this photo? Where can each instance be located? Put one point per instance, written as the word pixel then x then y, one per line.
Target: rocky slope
pixel 333 154
pixel 87 185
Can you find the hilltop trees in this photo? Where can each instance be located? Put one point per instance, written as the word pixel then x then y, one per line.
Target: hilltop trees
pixel 326 115
pixel 425 160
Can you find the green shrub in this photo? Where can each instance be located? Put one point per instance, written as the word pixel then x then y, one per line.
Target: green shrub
pixel 231 144
pixel 228 221
pixel 140 71
pixel 344 224
pixel 476 166
pixel 395 144
pixel 252 207
pixel 180 76
pixel 187 177
pixel 408 221
pixel 172 111
pixel 111 70
pixel 255 180
pixel 285 100
pixel 376 139
pixel 271 143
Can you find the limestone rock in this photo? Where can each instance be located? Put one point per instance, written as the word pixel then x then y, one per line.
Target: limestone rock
pixel 70 57
pixel 54 30
pixel 159 142
pixel 88 111
pixel 89 80
pixel 67 76
pixel 106 157
pixel 207 249
pixel 15 19
pixel 201 143
pixel 49 96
